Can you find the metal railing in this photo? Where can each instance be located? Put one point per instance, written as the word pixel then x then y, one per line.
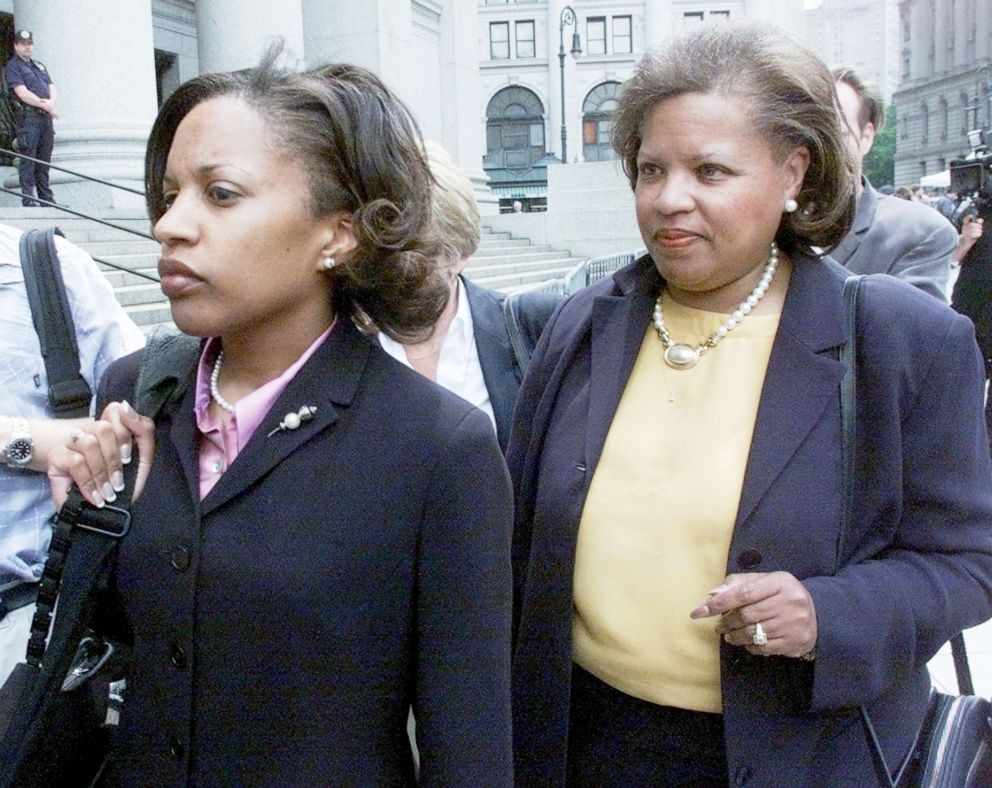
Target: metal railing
pixel 585 273
pixel 66 209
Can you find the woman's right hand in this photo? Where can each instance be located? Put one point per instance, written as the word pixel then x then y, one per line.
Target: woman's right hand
pixel 94 456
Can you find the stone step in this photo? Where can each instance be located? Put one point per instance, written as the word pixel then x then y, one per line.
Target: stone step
pixel 510 281
pixel 132 277
pixel 527 255
pixel 512 267
pixel 125 246
pixel 134 294
pixel 147 316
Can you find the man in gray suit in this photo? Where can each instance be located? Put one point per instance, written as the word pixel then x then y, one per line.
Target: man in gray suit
pixel 906 239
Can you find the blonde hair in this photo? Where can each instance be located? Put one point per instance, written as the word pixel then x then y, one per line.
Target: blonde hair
pixel 455 212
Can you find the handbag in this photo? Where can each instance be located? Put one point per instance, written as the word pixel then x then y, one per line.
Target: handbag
pixel 54 706
pixel 953 748
pixel 58 709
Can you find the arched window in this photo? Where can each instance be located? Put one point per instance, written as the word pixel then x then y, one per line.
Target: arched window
pixel 514 129
pixel 597 120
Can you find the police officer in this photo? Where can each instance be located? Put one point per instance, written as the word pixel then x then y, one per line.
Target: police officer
pixel 32 84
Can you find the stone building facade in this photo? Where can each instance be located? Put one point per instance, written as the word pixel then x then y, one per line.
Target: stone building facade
pixel 946 83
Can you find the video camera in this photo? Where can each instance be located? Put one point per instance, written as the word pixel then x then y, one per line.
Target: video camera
pixel 971 179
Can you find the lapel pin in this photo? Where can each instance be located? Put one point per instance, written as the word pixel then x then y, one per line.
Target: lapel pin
pixel 293 420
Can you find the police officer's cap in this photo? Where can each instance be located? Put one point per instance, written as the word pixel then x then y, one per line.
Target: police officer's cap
pixel 23 37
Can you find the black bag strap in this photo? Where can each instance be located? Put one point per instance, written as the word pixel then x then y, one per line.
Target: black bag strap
pixel 849 439
pixel 68 392
pixel 510 307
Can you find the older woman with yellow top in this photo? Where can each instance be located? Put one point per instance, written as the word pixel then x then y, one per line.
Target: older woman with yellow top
pixel 687 610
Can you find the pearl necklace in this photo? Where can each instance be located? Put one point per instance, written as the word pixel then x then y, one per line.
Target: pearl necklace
pixel 679 355
pixel 214 391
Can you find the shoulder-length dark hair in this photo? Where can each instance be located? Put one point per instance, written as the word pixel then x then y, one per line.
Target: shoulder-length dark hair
pixel 363 153
pixel 792 103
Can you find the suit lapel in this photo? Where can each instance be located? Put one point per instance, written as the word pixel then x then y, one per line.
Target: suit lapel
pixel 803 376
pixel 495 355
pixel 864 215
pixel 328 382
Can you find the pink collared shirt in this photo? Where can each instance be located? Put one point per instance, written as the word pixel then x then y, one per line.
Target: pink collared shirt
pixel 220 443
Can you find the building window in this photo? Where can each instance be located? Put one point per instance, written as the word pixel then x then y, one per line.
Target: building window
pixel 690 18
pixel 525 38
pixel 596 35
pixel 499 40
pixel 514 129
pixel 924 123
pixel 597 120
pixel 942 118
pixel 622 40
pixel 923 168
pixel 720 16
pixel 904 128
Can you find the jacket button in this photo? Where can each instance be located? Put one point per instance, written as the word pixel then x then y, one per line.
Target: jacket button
pixel 179 558
pixel 176 749
pixel 743 775
pixel 748 559
pixel 178 656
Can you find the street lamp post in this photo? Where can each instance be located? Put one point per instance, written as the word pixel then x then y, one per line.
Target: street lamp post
pixel 567 18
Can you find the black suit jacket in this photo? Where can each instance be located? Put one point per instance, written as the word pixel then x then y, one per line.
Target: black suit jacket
pixel 335 576
pixel 499 365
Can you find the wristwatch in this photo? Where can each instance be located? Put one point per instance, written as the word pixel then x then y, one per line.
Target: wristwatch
pixel 20 448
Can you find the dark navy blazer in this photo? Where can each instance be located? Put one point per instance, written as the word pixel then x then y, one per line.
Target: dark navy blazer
pixel 915 568
pixel 336 575
pixel 500 369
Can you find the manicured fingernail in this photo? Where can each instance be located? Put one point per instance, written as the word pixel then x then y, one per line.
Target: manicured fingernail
pixel 97 500
pixel 127 407
pixel 700 612
pixel 117 479
pixel 126 453
pixel 108 493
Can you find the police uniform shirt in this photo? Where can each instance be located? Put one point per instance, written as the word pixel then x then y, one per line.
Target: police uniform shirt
pixel 30 73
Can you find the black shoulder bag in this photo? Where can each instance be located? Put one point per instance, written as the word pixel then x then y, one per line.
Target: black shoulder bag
pixel 68 392
pixel 953 748
pixel 54 723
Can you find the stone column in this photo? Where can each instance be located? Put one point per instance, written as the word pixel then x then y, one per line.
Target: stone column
pixel 374 34
pixel 233 34
pixel 463 123
pixel 101 58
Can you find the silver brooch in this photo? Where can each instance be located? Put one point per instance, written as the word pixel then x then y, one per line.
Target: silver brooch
pixel 293 420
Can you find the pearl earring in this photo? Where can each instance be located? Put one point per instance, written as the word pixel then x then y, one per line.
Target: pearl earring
pixel 790 205
pixel 329 263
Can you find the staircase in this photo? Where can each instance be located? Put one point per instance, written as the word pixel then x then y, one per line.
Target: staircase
pixel 501 262
pixel 141 298
pixel 508 264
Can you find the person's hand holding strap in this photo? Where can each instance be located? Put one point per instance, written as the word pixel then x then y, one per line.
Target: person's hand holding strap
pixel 93 456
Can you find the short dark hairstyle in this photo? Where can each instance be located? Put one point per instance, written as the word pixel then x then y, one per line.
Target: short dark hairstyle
pixel 872 108
pixel 363 153
pixel 792 103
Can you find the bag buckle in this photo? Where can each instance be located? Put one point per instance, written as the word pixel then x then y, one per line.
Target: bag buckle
pixel 108 520
pixel 91 655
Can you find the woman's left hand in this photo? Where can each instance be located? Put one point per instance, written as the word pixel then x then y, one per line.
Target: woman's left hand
pixel 775 600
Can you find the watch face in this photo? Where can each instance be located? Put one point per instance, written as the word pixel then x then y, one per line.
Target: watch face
pixel 19 451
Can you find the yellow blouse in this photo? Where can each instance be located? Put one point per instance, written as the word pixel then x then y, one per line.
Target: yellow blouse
pixel 657 523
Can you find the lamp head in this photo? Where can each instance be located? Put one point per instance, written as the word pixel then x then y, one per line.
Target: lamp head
pixel 576 46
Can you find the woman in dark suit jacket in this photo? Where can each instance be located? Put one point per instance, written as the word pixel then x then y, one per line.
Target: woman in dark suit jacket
pixel 687 611
pixel 469 350
pixel 313 553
